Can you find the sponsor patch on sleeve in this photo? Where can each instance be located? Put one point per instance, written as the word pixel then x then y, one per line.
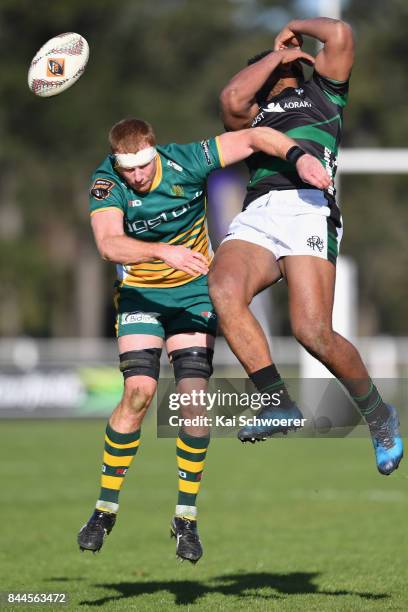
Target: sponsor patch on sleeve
pixel 102 188
pixel 205 145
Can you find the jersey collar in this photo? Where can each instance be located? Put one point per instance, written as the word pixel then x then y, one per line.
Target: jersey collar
pixel 285 92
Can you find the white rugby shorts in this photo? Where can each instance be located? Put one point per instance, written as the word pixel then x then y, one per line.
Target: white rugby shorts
pixel 289 222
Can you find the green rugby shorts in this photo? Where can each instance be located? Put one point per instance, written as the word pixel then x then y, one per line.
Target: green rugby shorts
pixel 165 312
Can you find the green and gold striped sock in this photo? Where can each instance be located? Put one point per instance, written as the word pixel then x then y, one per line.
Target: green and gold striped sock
pixel 371 406
pixel 191 452
pixel 120 450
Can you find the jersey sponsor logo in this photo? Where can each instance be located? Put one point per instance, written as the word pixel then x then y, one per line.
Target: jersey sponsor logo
pixel 257 119
pixel 173 164
pixel 205 145
pixel 330 163
pixel 315 242
pixel 297 104
pixel 300 91
pixel 144 225
pixel 140 317
pixel 102 188
pixel 121 471
pixel 274 107
pixel 177 190
pixel 55 67
pixel 209 315
pixel 133 203
pixel 182 474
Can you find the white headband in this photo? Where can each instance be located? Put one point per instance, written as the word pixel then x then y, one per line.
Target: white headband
pixel 131 160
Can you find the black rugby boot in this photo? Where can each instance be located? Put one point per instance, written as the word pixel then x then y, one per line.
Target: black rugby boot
pixel 94 532
pixel 188 544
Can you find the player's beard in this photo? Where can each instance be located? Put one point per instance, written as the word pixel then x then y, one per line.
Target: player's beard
pixel 282 84
pixel 286 76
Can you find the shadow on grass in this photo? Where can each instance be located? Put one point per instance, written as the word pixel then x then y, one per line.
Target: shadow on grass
pixel 239 585
pixel 62 579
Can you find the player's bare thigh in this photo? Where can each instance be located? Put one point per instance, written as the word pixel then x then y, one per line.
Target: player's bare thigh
pixel 180 341
pixel 137 342
pixel 247 267
pixel 311 282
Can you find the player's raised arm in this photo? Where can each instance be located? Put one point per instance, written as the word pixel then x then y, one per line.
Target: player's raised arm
pixel 113 245
pixel 335 60
pixel 239 97
pixel 236 146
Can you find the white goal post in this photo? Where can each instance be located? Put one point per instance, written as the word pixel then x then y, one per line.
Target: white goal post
pixel 372 161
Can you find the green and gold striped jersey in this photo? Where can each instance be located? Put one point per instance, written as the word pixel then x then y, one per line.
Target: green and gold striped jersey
pixel 173 211
pixel 312 114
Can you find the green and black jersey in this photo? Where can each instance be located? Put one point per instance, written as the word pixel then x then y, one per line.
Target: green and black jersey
pixel 173 211
pixel 312 115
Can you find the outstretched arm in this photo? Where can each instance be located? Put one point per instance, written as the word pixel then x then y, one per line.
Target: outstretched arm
pixel 335 60
pixel 238 98
pixel 236 146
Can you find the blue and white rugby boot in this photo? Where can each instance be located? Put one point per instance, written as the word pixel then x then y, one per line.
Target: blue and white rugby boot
pixel 270 421
pixel 387 442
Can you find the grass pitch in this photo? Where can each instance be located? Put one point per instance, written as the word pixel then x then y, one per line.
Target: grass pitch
pixel 290 524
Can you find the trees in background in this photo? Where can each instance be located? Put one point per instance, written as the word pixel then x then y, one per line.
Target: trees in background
pixel 167 62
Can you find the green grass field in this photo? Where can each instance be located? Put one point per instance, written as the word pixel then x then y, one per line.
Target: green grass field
pixel 291 524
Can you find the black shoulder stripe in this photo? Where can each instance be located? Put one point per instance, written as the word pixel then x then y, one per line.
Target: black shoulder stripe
pixel 339 88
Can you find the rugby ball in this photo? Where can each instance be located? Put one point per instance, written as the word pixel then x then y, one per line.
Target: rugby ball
pixel 58 64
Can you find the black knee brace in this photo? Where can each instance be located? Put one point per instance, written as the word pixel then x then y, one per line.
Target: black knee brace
pixel 192 362
pixel 145 362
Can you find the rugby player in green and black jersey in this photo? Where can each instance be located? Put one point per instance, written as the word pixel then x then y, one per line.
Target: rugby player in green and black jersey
pixel 293 230
pixel 148 214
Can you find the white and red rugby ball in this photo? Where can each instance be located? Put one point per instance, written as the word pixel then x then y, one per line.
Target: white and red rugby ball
pixel 58 64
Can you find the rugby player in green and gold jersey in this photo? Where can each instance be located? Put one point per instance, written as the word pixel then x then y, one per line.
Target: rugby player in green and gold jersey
pixel 292 229
pixel 148 215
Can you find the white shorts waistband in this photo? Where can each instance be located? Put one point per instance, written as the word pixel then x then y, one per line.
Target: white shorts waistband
pixel 302 198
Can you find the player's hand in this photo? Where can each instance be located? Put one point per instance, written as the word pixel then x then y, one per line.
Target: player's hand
pixel 184 259
pixel 290 55
pixel 286 38
pixel 311 171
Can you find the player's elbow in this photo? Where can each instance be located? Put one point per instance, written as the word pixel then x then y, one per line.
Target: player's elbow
pixel 227 98
pixel 232 103
pixel 105 250
pixel 105 255
pixel 343 35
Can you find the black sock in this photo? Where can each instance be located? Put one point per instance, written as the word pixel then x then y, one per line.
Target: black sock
pixel 372 407
pixel 268 380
